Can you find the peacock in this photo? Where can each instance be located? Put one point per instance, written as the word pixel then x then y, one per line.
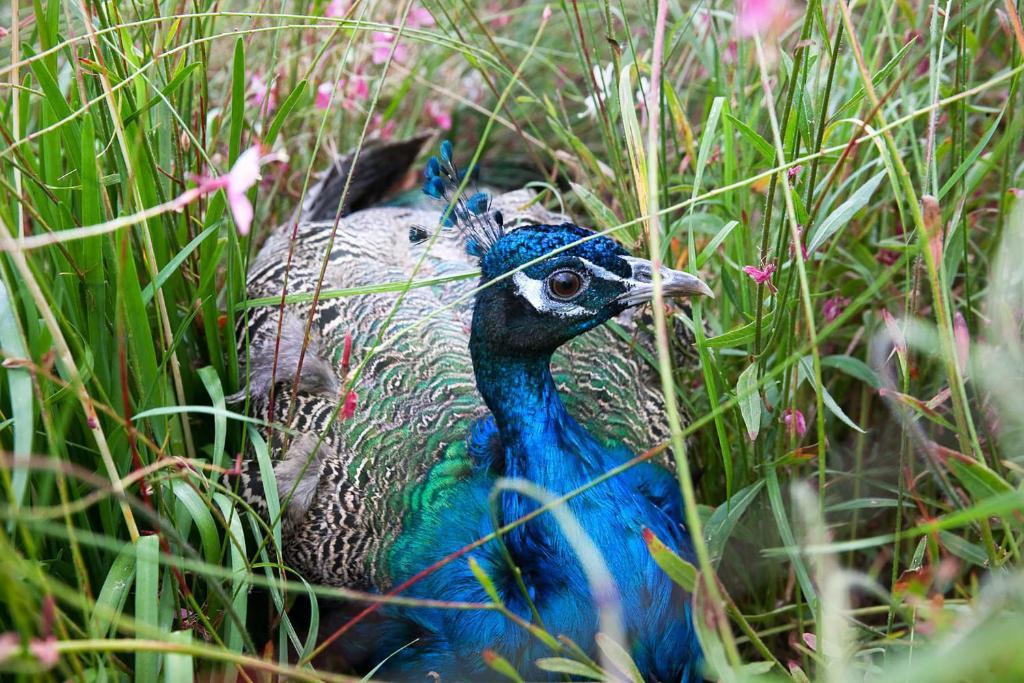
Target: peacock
pixel 456 393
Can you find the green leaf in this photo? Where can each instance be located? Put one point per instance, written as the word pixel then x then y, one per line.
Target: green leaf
pixel 235 535
pixel 980 481
pixel 807 373
pixel 283 111
pixel 849 107
pixel 501 666
pixel 618 656
pixel 968 162
pixel 838 219
pixel 174 264
pixel 114 593
pixel 763 147
pixel 147 592
pixel 706 139
pixel 570 667
pixel 59 104
pixel 485 581
pixel 237 101
pixel 19 388
pixel 741 335
pixel 165 93
pixel 634 140
pixel 201 517
pixel 211 380
pixel 755 669
pixel 854 367
pixel 709 249
pixel 749 400
pixel 679 570
pixel 178 665
pixel 723 520
pixel 963 549
pixel 604 218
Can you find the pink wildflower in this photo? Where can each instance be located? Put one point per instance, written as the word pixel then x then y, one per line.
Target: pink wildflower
pixel 235 183
pixel 795 422
pixel 792 173
pixel 324 94
pixel 546 14
pixel 348 409
pixel 382 48
pixel 887 257
pixel 731 53
pixel 385 129
pixel 441 118
pixel 833 306
pixel 358 88
pixel 261 95
pixel 346 354
pixel 9 644
pixel 762 276
pixel 499 16
pixel 810 640
pixel 761 16
pixel 45 650
pixel 336 8
pixel 419 17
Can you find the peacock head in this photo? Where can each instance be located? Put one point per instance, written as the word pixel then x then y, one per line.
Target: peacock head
pixel 545 284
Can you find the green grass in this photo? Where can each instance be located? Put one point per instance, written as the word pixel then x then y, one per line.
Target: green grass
pixel 884 543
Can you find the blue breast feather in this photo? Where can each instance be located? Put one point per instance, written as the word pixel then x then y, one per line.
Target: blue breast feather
pixel 547 446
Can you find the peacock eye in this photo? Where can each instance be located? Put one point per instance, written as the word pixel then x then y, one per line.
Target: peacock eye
pixel 564 284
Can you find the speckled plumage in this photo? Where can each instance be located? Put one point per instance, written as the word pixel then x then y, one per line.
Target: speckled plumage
pixel 379 479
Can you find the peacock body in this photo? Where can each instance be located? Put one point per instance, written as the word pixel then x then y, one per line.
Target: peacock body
pixel 456 395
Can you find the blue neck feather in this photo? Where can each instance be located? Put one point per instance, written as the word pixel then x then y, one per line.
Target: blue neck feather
pixel 544 444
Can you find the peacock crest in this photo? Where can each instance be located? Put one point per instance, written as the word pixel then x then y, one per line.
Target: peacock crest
pixel 468 212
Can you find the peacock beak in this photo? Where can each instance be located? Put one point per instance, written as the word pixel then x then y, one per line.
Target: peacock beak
pixel 674 283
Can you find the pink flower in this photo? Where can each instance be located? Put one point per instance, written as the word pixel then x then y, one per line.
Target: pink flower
pixel 499 15
pixel 3 32
pixel 385 129
pixel 441 118
pixel 261 95
pixel 546 14
pixel 348 409
pixel 358 88
pixel 795 422
pixel 324 94
pixel 887 257
pixel 419 17
pixel 794 172
pixel 9 645
pixel 346 355
pixel 833 306
pixel 382 48
pixel 762 276
pixel 235 183
pixel 761 16
pixel 336 8
pixel 45 650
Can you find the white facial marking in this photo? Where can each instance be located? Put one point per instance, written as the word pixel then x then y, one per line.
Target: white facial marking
pixel 535 292
pixel 603 273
